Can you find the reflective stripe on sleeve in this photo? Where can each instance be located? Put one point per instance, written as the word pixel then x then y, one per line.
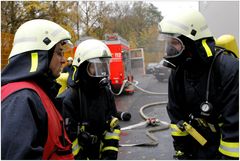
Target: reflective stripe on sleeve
pixel 117 131
pixel 176 131
pixel 112 135
pixel 109 148
pixel 229 148
pixel 75 147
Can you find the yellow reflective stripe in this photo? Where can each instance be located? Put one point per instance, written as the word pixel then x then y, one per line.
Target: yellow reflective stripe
pixel 220 124
pixel 174 127
pixel 179 133
pixel 114 136
pixel 230 144
pixel 75 69
pixel 75 147
pixel 176 131
pixel 34 62
pixel 117 131
pixel 206 47
pixel 114 122
pixel 229 148
pixel 110 148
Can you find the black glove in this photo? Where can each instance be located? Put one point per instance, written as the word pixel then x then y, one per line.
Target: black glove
pixel 109 155
pixel 84 138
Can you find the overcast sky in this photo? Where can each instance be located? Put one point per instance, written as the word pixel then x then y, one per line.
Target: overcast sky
pixel 171 6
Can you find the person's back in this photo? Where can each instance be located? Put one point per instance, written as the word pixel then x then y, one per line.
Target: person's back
pixel 30 126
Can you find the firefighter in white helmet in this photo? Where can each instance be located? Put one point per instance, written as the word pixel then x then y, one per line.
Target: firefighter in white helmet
pixel 89 108
pixel 203 89
pixel 31 126
pixel 67 68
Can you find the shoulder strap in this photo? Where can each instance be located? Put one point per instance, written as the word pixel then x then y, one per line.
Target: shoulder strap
pixel 210 72
pixel 222 50
pixel 10 88
pixel 82 105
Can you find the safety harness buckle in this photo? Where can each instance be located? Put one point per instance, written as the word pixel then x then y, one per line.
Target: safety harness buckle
pixel 180 125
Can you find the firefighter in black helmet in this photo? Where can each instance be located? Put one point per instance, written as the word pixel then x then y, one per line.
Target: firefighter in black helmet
pixel 88 106
pixel 203 89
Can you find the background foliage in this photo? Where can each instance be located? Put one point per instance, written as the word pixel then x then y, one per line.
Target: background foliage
pixel 135 21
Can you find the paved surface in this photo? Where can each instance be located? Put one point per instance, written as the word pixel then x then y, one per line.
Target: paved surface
pixel 133 103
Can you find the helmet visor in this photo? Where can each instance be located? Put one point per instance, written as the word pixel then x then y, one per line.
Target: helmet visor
pixel 173 46
pixel 67 45
pixel 98 67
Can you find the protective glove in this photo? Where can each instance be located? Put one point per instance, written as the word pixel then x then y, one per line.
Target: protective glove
pixel 84 138
pixel 179 155
pixel 109 155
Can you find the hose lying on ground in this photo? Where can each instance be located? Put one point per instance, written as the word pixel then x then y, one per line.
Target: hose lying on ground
pixel 134 83
pixel 145 91
pixel 157 125
pixel 161 125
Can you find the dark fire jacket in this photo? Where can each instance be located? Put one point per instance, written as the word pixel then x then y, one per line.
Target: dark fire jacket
pixel 187 91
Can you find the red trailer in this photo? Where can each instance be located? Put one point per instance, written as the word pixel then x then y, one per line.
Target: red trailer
pixel 120 65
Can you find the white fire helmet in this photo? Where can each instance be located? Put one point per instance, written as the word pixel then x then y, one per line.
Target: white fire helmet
pixel 97 54
pixel 190 23
pixel 70 59
pixel 38 34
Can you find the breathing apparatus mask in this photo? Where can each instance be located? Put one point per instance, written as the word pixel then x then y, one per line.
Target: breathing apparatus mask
pixel 98 69
pixel 173 49
pixel 92 59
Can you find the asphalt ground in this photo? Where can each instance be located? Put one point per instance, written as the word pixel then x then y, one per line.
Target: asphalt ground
pixel 132 103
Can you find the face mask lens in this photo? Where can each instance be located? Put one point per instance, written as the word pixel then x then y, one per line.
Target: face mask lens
pixel 91 69
pixel 173 46
pixel 98 67
pixel 102 69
